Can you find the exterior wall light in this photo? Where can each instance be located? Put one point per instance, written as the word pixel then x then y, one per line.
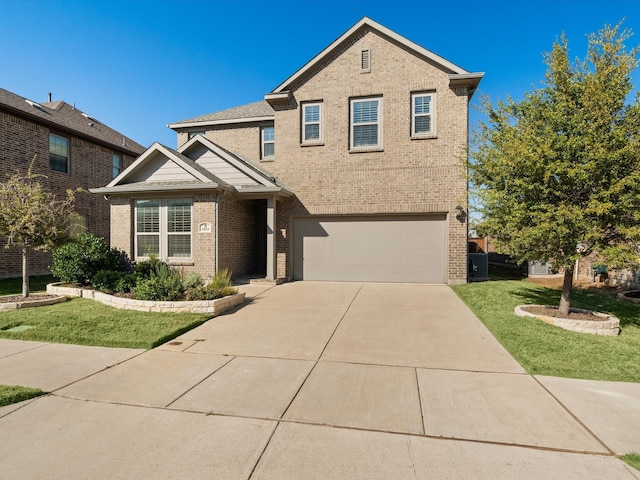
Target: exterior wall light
pixel 461 215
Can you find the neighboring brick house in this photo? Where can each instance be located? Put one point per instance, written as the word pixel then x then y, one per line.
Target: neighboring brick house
pixel 354 168
pixel 71 150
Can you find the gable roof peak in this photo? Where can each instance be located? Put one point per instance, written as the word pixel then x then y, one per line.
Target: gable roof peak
pixel 445 65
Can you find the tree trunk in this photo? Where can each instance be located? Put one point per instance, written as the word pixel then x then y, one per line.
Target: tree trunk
pixel 565 297
pixel 25 272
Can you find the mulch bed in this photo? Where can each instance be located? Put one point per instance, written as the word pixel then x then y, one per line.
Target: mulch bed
pixel 30 298
pixel 553 312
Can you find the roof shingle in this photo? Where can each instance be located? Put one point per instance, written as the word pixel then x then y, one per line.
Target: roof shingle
pixel 251 110
pixel 67 117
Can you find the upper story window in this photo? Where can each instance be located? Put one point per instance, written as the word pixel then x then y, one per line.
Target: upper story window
pixel 312 122
pixel 366 123
pixel 423 114
pixel 58 153
pixel 163 228
pixel 268 142
pixel 116 162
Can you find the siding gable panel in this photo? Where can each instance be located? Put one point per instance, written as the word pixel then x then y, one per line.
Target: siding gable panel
pixel 160 169
pixel 221 168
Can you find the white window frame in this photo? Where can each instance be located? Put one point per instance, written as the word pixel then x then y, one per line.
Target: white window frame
pixel 319 122
pixel 163 232
pixel 431 114
pixel 264 142
pixel 378 123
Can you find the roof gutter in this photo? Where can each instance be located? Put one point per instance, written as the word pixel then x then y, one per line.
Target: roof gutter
pixel 469 80
pixel 125 190
pixel 204 123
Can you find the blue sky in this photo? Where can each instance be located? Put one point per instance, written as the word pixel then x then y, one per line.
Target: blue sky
pixel 139 65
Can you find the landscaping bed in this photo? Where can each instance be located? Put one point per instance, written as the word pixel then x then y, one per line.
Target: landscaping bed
pixel 13 302
pixel 577 320
pixel 214 307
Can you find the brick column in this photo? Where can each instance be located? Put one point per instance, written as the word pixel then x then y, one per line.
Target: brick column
pixel 271 241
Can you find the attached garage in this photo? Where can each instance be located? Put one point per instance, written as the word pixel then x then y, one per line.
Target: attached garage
pixel 396 248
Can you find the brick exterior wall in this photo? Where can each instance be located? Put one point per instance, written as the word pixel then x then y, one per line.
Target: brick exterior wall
pixel 90 165
pixel 241 139
pixel 239 240
pixel 239 235
pixel 424 175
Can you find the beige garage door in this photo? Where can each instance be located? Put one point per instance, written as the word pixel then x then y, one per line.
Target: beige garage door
pixel 370 249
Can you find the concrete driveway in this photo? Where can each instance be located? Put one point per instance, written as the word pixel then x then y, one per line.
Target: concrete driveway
pixel 312 380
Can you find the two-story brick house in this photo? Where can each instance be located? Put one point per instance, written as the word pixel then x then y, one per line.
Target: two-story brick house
pixel 353 168
pixel 71 150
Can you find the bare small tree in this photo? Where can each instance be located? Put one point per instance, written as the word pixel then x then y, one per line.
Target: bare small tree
pixel 32 218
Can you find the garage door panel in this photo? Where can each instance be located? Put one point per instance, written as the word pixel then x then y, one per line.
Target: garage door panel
pixel 377 249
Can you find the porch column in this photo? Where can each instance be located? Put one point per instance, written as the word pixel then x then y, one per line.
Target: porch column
pixel 271 240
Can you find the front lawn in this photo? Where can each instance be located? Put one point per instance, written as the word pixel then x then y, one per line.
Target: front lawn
pixel 84 322
pixel 13 394
pixel 13 286
pixel 543 349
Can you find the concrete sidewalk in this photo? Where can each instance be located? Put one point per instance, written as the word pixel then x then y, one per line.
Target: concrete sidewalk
pixel 314 380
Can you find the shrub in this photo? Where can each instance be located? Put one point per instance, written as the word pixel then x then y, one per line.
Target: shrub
pixel 113 282
pixel 220 286
pixel 222 279
pixel 192 280
pixel 145 268
pixel 164 284
pixel 79 260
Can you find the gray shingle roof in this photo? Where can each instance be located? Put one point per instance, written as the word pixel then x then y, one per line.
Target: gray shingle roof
pixel 66 117
pixel 250 110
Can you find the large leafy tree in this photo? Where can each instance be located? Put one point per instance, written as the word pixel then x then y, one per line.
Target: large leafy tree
pixel 32 217
pixel 557 173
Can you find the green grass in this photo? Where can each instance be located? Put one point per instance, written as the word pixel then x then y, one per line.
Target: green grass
pixel 13 394
pixel 543 349
pixel 84 322
pixel 632 459
pixel 13 286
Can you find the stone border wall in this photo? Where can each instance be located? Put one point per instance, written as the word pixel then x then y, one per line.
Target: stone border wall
pixel 32 303
pixel 609 325
pixel 214 307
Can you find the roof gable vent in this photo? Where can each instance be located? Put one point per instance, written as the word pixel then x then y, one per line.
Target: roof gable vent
pixel 365 60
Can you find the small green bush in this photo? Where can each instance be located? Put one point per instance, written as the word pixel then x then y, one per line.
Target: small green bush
pixel 222 279
pixel 79 260
pixel 145 268
pixel 192 280
pixel 220 286
pixel 164 284
pixel 113 282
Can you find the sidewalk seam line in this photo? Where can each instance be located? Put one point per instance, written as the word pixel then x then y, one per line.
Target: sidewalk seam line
pixel 317 360
pixel 574 416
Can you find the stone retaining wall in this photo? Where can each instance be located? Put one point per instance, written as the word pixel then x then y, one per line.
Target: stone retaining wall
pixel 32 303
pixel 214 307
pixel 609 325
